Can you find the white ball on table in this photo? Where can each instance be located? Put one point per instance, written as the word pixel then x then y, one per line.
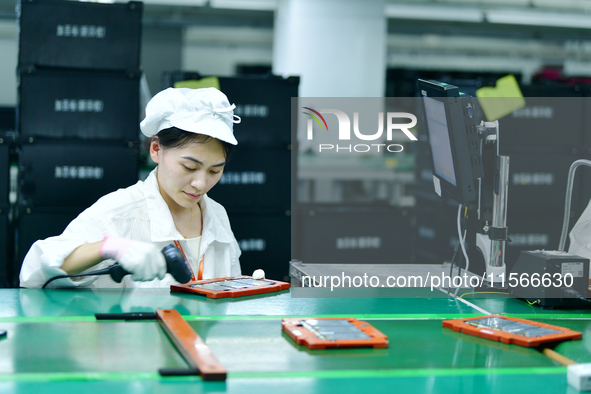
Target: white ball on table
pixel 258 274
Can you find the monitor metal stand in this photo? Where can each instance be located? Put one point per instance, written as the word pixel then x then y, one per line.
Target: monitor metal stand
pixel 568 198
pixel 491 241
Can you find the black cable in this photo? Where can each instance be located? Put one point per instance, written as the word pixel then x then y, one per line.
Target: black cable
pixel 451 269
pixel 103 271
pixel 463 225
pixel 175 266
pixel 456 249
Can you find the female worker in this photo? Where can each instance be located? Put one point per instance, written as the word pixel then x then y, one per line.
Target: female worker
pixel 191 133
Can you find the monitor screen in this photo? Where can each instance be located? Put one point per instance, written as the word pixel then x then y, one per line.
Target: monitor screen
pixel 443 164
pixel 453 139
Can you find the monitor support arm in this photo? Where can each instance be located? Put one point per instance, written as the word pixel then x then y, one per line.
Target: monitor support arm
pixel 492 209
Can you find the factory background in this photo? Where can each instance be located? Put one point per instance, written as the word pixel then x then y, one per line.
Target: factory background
pixel 263 53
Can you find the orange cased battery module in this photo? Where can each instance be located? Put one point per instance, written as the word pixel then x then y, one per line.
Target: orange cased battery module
pixel 505 329
pixel 322 333
pixel 238 286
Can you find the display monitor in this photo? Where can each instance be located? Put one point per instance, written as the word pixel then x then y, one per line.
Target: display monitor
pixel 453 139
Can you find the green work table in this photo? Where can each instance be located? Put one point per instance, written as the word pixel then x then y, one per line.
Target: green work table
pixel 54 344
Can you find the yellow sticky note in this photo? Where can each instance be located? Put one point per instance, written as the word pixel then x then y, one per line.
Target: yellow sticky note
pixel 207 82
pixel 501 100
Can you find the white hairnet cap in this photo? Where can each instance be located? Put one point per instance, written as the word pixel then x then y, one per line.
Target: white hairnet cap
pixel 203 111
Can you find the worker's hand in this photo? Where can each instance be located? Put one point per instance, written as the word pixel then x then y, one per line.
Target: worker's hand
pixel 258 274
pixel 142 260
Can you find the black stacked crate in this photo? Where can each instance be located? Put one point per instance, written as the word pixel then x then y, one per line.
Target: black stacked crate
pixel 542 140
pixel 5 153
pixel 353 234
pixel 7 129
pixel 78 112
pixel 255 188
pixel 93 36
pixel 57 104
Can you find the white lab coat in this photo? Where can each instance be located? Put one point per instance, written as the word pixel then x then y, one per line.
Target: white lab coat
pixel 140 213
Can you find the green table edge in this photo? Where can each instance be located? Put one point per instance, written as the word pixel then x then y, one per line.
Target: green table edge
pixel 53 319
pixel 340 374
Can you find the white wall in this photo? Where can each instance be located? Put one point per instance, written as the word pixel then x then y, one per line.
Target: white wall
pixel 218 50
pixel 8 62
pixel 337 47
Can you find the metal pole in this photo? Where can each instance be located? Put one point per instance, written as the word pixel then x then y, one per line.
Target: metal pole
pixel 499 218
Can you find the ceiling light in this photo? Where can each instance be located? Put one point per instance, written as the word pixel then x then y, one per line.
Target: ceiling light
pixel 430 12
pixel 537 18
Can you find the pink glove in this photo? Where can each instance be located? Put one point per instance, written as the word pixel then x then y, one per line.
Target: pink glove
pixel 142 260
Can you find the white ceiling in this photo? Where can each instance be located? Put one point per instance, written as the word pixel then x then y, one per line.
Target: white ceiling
pixel 556 13
pixel 475 33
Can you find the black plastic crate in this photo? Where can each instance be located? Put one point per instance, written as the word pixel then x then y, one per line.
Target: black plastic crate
pixel 534 232
pixel 4 172
pixel 6 248
pixel 265 242
pixel 74 174
pixel 537 182
pixel 254 178
pixel 75 34
pixel 36 224
pixel 551 90
pixel 7 119
pixel 352 234
pixel 263 103
pixel 435 235
pixel 587 121
pixel 78 104
pixel 544 121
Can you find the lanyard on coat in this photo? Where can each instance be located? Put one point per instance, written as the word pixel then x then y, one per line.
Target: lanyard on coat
pixel 201 263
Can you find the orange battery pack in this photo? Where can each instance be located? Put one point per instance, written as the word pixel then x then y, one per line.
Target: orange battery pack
pixel 512 330
pixel 322 333
pixel 238 286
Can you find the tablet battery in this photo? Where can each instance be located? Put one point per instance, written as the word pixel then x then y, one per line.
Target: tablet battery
pixel 231 284
pixel 334 329
pixel 322 333
pixel 511 330
pixel 231 287
pixel 513 327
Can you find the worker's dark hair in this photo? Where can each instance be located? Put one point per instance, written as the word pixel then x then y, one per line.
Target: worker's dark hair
pixel 176 138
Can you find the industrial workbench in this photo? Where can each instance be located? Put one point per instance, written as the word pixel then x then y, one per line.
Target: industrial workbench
pixel 55 345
